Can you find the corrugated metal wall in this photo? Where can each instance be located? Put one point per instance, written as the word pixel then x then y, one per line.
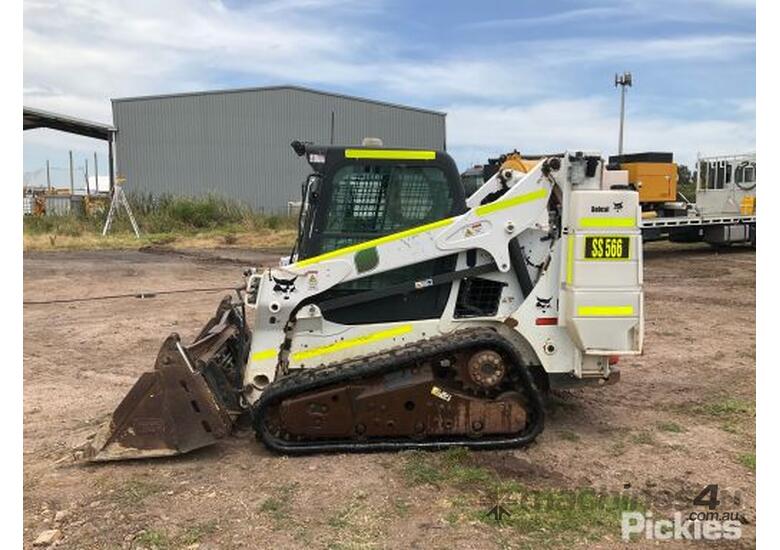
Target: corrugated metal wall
pixel 237 143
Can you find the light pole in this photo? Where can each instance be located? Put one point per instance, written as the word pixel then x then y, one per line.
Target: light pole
pixel 622 80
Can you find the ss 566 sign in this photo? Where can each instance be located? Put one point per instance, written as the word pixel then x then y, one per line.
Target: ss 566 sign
pixel 606 248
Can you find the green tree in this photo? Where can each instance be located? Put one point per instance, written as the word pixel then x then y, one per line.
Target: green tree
pixel 686 182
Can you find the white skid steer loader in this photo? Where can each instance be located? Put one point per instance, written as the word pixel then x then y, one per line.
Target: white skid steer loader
pixel 407 316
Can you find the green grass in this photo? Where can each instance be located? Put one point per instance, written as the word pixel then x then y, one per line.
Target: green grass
pixel 543 517
pixel 618 448
pixel 341 518
pixel 195 533
pixel 136 491
pixel 671 427
pixel 278 506
pixel 453 466
pixel 401 507
pixel 732 413
pixel 154 539
pixel 726 408
pixel 161 221
pixel 157 539
pixel 551 515
pixel 538 517
pixel 569 435
pixel 357 524
pixel 643 437
pixel 748 460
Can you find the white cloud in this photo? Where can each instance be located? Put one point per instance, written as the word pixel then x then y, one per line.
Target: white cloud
pixel 569 51
pixel 580 14
pixel 79 53
pixel 623 13
pixel 476 133
pixel 518 93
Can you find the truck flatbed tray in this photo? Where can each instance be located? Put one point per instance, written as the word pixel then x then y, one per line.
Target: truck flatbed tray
pixel 686 221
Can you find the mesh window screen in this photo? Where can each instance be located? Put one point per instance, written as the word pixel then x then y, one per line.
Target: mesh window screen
pixel 372 201
pixel 478 298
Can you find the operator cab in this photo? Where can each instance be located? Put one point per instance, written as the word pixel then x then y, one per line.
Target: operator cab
pixel 358 194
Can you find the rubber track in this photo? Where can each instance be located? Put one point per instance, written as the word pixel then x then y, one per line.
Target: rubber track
pixel 382 363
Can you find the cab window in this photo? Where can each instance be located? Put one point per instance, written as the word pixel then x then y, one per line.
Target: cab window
pixel 370 201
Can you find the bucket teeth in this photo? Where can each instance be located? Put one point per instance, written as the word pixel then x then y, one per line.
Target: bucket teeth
pixel 169 411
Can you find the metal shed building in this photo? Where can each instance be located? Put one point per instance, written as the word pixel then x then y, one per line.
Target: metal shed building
pixel 236 143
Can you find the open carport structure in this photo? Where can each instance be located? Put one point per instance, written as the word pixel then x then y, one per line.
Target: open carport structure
pixel 38 118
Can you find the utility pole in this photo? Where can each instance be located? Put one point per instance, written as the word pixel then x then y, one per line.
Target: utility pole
pixel 622 80
pixel 70 170
pixel 97 189
pixel 48 176
pixel 86 174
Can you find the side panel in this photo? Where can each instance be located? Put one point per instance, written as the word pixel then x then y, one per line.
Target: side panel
pixel 603 277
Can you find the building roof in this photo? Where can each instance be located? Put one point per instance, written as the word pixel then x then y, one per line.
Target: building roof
pixel 281 87
pixel 38 118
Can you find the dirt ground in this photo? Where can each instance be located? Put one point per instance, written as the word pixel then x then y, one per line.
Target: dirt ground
pixel 681 418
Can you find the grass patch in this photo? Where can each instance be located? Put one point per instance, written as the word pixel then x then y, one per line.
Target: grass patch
pixel 748 460
pixel 733 413
pixel 537 517
pixel 567 435
pixel 162 221
pixel 726 408
pixel 544 517
pixel 618 448
pixel 154 540
pixel 195 533
pixel 401 507
pixel 643 437
pixel 341 518
pixel 453 466
pixel 358 524
pixel 278 506
pixel 136 491
pixel 671 427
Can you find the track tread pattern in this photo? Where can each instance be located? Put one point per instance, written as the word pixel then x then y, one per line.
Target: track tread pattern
pixel 386 362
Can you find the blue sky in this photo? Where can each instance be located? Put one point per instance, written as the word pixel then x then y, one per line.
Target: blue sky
pixel 536 76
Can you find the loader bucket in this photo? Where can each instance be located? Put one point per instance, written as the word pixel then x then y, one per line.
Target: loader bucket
pixel 189 401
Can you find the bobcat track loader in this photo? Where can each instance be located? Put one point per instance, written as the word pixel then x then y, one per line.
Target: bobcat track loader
pixel 407 316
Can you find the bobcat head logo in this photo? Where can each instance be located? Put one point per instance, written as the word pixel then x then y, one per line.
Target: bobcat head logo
pixel 543 304
pixel 618 206
pixel 285 286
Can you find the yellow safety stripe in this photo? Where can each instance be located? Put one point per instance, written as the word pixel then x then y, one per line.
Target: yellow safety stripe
pixel 509 203
pixel 265 354
pixel 354 342
pixel 605 311
pixel 395 154
pixel 607 222
pixel 570 260
pixel 376 242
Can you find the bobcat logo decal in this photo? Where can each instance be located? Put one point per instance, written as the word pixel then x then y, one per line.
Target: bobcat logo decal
pixel 285 286
pixel 618 206
pixel 543 304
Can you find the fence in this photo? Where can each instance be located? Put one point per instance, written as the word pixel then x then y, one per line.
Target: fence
pixel 57 176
